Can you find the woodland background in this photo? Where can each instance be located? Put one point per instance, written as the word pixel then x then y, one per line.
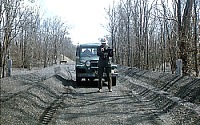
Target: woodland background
pixel 148 34
pixel 29 39
pixel 153 34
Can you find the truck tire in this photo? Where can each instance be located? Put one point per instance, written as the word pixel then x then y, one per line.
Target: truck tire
pixel 114 81
pixel 78 79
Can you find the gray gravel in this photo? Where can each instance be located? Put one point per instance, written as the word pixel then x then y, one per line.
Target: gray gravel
pixel 50 96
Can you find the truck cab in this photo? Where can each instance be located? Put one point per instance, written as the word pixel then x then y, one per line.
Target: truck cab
pixel 87 64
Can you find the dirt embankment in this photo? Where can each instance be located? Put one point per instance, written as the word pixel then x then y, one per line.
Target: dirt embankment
pixel 184 87
pixel 177 97
pixel 25 97
pixel 31 98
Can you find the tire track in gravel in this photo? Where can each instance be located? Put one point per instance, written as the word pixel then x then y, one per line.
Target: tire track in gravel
pixel 122 106
pixel 173 110
pixel 24 97
pixel 128 104
pixel 67 81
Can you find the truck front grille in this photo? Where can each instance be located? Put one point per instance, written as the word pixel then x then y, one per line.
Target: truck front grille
pixel 94 64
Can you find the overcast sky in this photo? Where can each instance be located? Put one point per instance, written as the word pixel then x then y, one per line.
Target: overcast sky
pixel 85 16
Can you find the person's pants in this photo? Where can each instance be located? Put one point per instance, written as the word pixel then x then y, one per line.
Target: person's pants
pixel 109 77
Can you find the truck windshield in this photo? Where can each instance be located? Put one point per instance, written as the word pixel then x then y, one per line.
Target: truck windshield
pixel 88 52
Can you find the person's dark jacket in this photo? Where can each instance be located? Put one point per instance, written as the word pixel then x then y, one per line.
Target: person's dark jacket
pixel 104 60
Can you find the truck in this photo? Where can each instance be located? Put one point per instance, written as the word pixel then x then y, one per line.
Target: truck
pixel 87 64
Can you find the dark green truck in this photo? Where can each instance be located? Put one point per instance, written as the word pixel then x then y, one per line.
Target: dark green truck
pixel 87 64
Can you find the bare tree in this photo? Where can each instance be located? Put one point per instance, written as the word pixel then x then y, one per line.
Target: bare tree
pixel 9 12
pixel 28 39
pixel 112 26
pixel 195 39
pixel 152 35
pixel 54 36
pixel 184 26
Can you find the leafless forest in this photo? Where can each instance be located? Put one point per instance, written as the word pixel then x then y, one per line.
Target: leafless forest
pixel 28 39
pixel 153 34
pixel 145 34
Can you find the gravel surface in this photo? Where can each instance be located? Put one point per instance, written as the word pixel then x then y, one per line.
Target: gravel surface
pixel 50 96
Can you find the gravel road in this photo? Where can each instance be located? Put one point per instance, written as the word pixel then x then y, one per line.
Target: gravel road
pixel 51 96
pixel 122 106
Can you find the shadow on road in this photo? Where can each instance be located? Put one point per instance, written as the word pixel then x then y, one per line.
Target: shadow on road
pixel 89 84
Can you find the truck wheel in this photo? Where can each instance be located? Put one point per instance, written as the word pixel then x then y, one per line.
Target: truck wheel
pixel 78 79
pixel 113 81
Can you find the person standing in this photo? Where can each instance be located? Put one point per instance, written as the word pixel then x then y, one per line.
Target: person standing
pixel 104 64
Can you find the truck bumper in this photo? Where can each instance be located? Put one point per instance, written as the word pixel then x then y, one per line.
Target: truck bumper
pixel 93 75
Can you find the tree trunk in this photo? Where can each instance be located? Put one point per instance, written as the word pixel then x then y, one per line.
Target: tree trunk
pixel 195 40
pixel 184 26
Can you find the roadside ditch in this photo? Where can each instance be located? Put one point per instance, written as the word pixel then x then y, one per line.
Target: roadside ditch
pixel 176 97
pixel 32 98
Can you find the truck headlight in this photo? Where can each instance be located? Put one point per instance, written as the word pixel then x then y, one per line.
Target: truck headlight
pixel 87 63
pixel 115 71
